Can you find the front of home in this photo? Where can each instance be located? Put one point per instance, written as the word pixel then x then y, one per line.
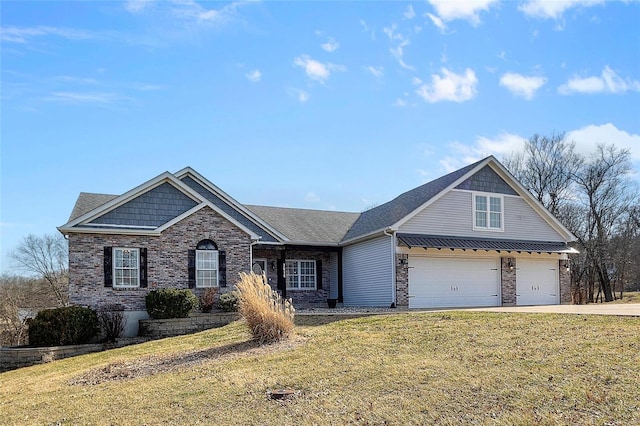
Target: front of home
pixel 474 237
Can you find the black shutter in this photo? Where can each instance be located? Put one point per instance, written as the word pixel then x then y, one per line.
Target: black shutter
pixel 143 267
pixel 222 268
pixel 319 274
pixel 192 268
pixel 108 266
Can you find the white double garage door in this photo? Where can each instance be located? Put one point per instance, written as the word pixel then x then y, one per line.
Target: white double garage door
pixel 439 282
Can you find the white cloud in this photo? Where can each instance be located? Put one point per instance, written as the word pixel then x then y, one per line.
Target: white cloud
pixel 187 10
pixel 463 154
pixel 254 76
pixel 316 70
pixel 398 50
pixel 588 137
pixel 521 85
pixel 607 82
pixel 450 87
pixel 377 72
pixel 135 6
pixel 546 9
pixel 22 35
pixel 401 103
pixel 448 10
pixel 312 197
pixel 437 22
pixel 330 46
pixel 409 13
pixel 301 95
pixel 85 98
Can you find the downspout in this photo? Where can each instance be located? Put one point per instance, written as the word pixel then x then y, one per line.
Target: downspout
pixel 393 265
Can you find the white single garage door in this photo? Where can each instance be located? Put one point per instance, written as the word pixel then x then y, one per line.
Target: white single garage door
pixel 453 283
pixel 537 282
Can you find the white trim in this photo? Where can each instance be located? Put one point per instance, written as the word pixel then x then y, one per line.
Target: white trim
pixel 488 196
pixel 114 267
pixel 315 275
pixel 217 268
pixel 110 225
pixel 188 171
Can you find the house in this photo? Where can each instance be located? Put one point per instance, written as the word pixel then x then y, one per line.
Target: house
pixel 474 237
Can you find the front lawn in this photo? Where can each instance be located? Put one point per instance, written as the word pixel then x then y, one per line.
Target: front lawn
pixel 427 368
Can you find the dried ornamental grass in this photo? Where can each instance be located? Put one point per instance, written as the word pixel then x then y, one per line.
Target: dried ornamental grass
pixel 270 318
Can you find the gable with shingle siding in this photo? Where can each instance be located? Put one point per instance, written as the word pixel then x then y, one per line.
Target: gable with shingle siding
pixel 152 208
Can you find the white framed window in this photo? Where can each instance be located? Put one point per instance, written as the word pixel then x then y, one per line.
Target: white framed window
pixel 488 211
pixel 300 274
pixel 206 268
pixel 126 267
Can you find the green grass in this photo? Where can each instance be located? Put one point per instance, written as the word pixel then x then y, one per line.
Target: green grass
pixel 431 368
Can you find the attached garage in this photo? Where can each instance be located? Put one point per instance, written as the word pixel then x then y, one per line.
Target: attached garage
pixel 537 282
pixel 437 282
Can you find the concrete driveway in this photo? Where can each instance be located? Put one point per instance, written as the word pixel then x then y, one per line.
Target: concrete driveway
pixel 628 309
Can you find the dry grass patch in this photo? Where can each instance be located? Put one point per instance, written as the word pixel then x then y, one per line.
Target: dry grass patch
pixel 452 368
pixel 628 297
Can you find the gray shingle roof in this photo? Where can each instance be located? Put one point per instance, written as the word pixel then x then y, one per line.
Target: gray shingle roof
pixel 385 215
pixel 88 201
pixel 304 225
pixel 446 242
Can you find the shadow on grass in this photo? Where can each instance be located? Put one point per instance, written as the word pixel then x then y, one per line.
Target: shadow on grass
pixel 323 319
pixel 157 364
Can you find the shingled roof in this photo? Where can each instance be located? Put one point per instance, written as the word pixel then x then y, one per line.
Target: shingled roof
pixel 307 226
pixel 382 217
pixel 88 201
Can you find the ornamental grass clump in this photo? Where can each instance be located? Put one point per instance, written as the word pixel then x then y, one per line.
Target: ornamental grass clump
pixel 269 317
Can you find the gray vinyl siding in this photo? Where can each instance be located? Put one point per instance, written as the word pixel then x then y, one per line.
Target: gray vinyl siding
pixel 153 208
pixel 452 215
pixel 230 210
pixel 367 273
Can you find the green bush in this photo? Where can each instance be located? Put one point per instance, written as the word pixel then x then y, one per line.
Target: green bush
pixel 72 325
pixel 228 302
pixel 170 303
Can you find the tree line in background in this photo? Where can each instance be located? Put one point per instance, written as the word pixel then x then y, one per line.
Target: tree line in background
pixel 596 198
pixel 44 283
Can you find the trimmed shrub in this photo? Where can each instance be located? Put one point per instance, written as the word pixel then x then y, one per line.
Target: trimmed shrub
pixel 208 299
pixel 112 321
pixel 269 317
pixel 170 303
pixel 228 302
pixel 72 325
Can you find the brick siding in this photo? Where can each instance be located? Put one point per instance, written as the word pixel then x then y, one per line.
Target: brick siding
pixel 167 259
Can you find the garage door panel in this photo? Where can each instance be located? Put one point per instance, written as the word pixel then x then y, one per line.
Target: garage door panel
pixel 537 282
pixel 448 282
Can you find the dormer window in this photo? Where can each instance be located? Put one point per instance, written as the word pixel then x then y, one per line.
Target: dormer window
pixel 488 212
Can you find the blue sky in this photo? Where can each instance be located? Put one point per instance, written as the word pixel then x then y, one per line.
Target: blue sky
pixel 325 105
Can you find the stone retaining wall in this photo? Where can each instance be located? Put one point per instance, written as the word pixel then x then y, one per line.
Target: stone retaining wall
pixel 13 358
pixel 161 328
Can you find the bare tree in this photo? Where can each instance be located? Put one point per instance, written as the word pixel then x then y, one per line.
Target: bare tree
pixel 46 257
pixel 546 168
pixel 606 193
pixel 14 311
